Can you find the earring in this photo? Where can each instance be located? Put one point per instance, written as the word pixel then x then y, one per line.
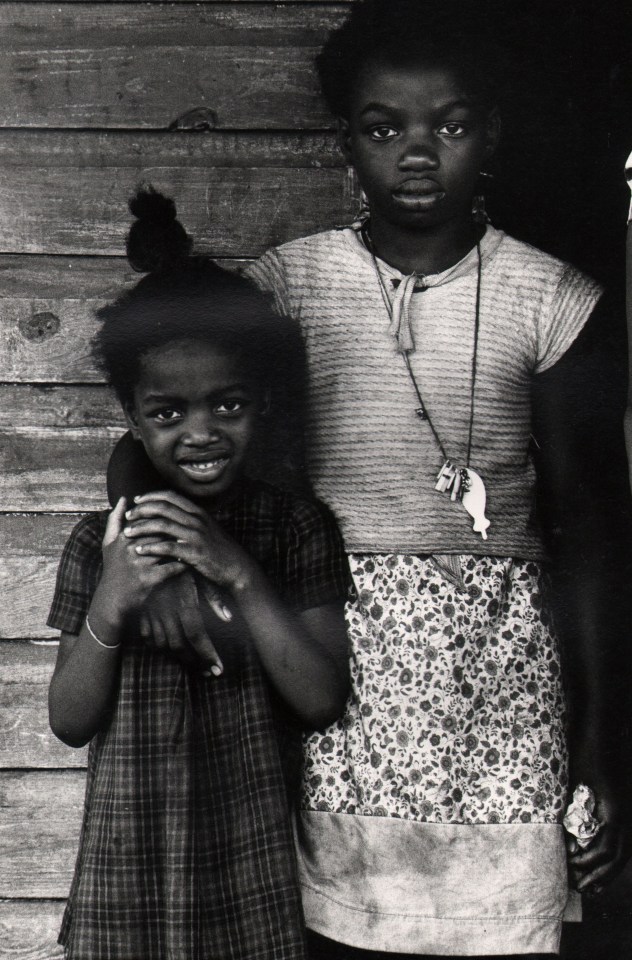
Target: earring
pixel 479 213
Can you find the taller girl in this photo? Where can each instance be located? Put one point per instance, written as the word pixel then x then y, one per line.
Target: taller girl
pixel 438 348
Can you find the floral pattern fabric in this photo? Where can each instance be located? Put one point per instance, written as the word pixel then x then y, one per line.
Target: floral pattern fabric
pixel 456 713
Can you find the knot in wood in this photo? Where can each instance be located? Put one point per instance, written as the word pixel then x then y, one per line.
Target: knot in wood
pixel 198 119
pixel 39 327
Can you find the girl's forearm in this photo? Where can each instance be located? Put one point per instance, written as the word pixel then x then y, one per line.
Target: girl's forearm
pixel 311 680
pixel 85 677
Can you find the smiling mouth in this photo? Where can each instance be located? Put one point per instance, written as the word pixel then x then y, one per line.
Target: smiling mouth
pixel 200 470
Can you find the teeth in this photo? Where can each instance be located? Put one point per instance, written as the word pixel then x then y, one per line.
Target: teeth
pixel 206 465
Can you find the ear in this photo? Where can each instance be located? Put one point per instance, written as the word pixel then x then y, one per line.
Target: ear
pixel 492 131
pixel 132 420
pixel 343 136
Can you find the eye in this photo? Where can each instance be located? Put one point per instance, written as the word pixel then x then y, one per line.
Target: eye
pixel 166 415
pixel 382 132
pixel 231 406
pixel 453 129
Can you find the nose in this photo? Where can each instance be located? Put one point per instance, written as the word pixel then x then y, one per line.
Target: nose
pixel 419 152
pixel 201 428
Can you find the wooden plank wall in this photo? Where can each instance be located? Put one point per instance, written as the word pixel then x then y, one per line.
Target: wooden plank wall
pixel 97 97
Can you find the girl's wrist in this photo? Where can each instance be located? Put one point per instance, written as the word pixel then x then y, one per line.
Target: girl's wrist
pixel 249 578
pixel 105 619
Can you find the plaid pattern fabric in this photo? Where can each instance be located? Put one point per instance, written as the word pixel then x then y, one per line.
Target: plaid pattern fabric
pixel 186 850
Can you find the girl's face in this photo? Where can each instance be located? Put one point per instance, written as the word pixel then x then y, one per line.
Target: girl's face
pixel 418 142
pixel 195 410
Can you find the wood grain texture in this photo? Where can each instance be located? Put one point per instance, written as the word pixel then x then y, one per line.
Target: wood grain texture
pixel 94 64
pixel 25 736
pixel 40 817
pixel 232 212
pixel 38 291
pixel 48 469
pixel 31 548
pixel 29 930
pixel 122 149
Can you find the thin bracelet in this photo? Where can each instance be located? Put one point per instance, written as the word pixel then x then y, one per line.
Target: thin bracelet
pixel 108 646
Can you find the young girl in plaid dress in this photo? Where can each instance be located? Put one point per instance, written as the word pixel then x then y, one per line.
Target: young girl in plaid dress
pixel 185 850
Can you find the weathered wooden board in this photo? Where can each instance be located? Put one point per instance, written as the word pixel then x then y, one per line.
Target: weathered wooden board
pixel 93 278
pixel 29 930
pixel 31 548
pixel 55 470
pixel 25 736
pixel 231 211
pixel 47 307
pixel 94 64
pixel 40 818
pixel 217 148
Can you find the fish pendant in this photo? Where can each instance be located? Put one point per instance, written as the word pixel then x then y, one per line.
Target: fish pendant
pixel 466 485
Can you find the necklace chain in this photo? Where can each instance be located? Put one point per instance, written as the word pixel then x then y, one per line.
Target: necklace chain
pixel 423 409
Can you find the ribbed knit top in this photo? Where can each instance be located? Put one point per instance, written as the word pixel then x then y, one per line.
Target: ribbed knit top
pixel 371 458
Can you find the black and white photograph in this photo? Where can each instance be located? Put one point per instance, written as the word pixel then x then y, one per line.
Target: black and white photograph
pixel 315 479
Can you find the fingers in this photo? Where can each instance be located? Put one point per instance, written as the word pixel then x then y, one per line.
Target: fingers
pixel 220 609
pixel 177 625
pixel 216 602
pixel 600 863
pixel 115 522
pixel 158 500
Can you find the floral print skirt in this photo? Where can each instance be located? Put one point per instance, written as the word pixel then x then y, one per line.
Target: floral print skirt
pixel 456 713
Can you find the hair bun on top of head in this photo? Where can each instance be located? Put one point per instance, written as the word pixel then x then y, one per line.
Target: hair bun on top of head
pixel 157 241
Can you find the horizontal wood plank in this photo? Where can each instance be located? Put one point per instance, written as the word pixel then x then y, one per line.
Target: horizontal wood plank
pixel 26 739
pixel 49 469
pixel 40 819
pixel 99 64
pixel 231 212
pixel 47 307
pixel 122 149
pixel 31 548
pixel 29 930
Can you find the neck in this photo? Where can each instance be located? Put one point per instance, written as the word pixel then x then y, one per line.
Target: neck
pixel 427 251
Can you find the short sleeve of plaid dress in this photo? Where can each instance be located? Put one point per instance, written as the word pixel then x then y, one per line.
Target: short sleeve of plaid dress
pixel 186 849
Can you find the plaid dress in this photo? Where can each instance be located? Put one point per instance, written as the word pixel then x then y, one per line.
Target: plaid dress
pixel 186 850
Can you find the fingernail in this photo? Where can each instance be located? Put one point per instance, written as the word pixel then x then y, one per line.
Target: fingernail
pixel 139 549
pixel 138 498
pixel 216 670
pixel 128 514
pixel 127 531
pixel 227 613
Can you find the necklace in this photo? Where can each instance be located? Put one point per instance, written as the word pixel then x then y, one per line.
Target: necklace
pixel 461 483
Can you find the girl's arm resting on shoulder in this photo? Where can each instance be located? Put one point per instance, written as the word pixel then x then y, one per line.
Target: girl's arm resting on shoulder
pixel 130 471
pixel 585 507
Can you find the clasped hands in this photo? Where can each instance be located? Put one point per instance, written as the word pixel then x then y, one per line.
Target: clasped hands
pixel 164 529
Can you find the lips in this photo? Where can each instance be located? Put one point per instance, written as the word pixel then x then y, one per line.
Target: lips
pixel 418 188
pixel 418 194
pixel 203 469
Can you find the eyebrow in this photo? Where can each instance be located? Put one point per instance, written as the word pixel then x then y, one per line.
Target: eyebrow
pixel 377 107
pixel 174 398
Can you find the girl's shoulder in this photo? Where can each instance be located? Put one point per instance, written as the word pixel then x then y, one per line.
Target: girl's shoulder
pixel 315 251
pixel 287 510
pixel 87 534
pixel 520 261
